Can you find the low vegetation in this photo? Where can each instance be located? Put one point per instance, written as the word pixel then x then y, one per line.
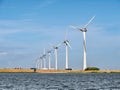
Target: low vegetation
pixel 92 68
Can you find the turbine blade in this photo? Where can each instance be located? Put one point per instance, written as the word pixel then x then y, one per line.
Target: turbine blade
pixel 60 44
pixel 89 22
pixel 36 60
pixel 52 45
pixel 75 27
pixel 44 52
pixel 69 45
pixel 41 57
pixel 49 51
pixel 66 36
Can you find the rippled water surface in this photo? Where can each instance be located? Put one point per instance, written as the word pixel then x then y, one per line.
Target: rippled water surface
pixel 38 81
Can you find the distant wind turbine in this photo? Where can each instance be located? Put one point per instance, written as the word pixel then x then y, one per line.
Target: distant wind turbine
pixel 84 30
pixel 41 58
pixel 66 42
pixel 37 63
pixel 49 59
pixel 44 58
pixel 56 54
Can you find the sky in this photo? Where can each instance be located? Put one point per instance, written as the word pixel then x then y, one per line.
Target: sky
pixel 28 26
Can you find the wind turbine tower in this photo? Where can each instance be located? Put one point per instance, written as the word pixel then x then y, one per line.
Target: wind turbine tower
pixel 56 57
pixel 41 58
pixel 66 42
pixel 56 54
pixel 49 59
pixel 44 58
pixel 84 30
pixel 38 63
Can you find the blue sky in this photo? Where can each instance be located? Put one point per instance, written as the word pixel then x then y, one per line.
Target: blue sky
pixel 27 26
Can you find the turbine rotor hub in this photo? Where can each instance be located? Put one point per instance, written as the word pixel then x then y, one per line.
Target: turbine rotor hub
pixel 56 47
pixel 66 42
pixel 44 55
pixel 84 30
pixel 40 57
pixel 49 51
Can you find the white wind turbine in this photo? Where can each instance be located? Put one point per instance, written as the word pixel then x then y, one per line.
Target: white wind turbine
pixel 44 58
pixel 66 42
pixel 84 30
pixel 37 63
pixel 41 58
pixel 49 59
pixel 56 54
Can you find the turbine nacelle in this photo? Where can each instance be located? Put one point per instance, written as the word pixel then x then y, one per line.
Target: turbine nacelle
pixel 55 47
pixel 49 52
pixel 65 42
pixel 83 30
pixel 41 57
pixel 44 55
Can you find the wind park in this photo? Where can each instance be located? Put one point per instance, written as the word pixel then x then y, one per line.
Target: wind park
pixel 44 64
pixel 42 60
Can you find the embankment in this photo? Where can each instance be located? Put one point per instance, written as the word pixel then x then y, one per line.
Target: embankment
pixel 13 70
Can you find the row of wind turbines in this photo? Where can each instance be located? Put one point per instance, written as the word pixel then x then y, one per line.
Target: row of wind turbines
pixel 43 57
pixel 42 60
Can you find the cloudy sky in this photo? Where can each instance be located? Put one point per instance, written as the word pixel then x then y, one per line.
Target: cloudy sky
pixel 28 26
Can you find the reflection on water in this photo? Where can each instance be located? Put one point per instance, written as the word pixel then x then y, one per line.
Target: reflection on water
pixel 37 81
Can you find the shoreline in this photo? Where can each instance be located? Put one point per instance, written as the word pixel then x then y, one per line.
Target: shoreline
pixel 25 70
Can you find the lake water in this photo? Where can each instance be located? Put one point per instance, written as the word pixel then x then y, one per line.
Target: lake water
pixel 37 81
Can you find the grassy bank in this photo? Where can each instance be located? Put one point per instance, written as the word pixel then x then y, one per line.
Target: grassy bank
pixel 2 70
pixel 15 70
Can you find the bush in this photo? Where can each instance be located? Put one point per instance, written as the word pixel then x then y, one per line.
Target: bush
pixel 68 69
pixel 34 69
pixel 91 68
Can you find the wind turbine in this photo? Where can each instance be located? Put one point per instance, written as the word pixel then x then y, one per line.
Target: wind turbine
pixel 41 58
pixel 44 58
pixel 37 63
pixel 84 30
pixel 56 54
pixel 66 42
pixel 49 59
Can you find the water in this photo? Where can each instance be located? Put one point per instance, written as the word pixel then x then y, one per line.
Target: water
pixel 37 81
